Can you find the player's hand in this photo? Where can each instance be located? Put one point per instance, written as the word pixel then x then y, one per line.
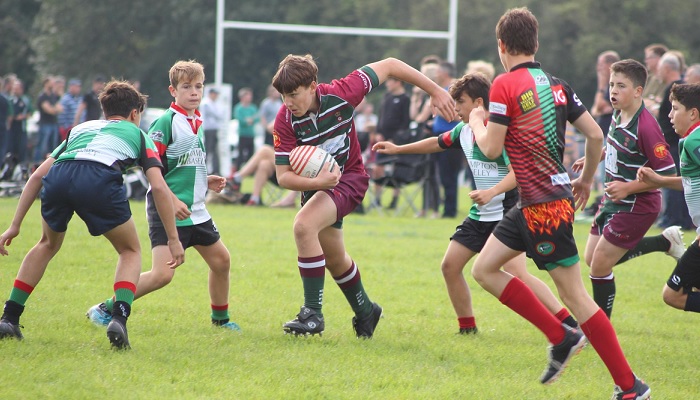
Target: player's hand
pixel 443 104
pixel 385 148
pixel 216 183
pixel 177 253
pixel 616 190
pixel 582 192
pixel 6 239
pixel 481 197
pixel 648 175
pixel 327 179
pixel 577 166
pixel 181 210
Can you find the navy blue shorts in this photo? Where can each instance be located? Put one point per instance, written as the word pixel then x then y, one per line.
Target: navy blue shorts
pixel 204 234
pixel 92 190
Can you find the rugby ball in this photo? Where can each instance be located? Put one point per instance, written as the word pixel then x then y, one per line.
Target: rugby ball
pixel 307 161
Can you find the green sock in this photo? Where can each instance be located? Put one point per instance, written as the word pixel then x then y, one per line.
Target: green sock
pixel 350 283
pixel 646 245
pixel 604 293
pixel 219 313
pixel 313 274
pixel 20 292
pixel 109 303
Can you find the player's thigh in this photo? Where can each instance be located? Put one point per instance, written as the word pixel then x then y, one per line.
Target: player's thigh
pixel 591 244
pixel 456 257
pixel 494 255
pixel 605 256
pixel 517 266
pixel 319 212
pixel 124 237
pixel 216 256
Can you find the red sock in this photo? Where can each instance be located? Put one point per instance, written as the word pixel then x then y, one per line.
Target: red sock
pixel 601 335
pixel 466 322
pixel 562 314
pixel 520 298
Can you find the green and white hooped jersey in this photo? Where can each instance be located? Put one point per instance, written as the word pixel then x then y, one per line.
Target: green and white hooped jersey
pixel 117 144
pixel 179 140
pixel 487 173
pixel 690 172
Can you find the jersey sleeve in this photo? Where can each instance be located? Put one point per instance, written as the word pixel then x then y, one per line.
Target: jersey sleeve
pixel 450 139
pixel 283 136
pixel 160 133
pixel 148 156
pixel 653 145
pixel 574 106
pixel 500 110
pixel 354 87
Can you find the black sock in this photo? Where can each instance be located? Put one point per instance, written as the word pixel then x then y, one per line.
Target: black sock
pixel 12 312
pixel 570 321
pixel 648 244
pixel 122 309
pixel 604 294
pixel 219 322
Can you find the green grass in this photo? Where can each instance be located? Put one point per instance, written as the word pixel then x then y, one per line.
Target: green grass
pixel 414 354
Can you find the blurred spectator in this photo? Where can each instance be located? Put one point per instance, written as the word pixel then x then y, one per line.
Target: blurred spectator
pixel 269 108
pixel 674 210
pixel 90 109
pixel 213 120
pixel 365 119
pixel 262 166
pixel 49 107
pixel 5 119
pixel 392 125
pixel 654 88
pixel 692 74
pixel 449 162
pixel 247 115
pixel 483 67
pixel 602 109
pixel 22 110
pixel 70 103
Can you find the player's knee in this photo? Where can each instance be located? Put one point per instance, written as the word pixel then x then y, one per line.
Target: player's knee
pixel 450 269
pixel 673 298
pixel 303 228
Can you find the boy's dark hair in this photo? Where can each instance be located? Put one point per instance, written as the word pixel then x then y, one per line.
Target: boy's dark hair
pixel 474 85
pixel 294 72
pixel 517 29
pixel 688 94
pixel 119 98
pixel 632 69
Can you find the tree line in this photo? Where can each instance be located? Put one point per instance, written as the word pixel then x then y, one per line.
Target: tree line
pixel 139 40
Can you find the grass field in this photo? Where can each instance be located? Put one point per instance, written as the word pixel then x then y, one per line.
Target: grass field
pixel 414 354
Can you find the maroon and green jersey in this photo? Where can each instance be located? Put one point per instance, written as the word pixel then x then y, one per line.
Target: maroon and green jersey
pixel 333 127
pixel 535 106
pixel 630 146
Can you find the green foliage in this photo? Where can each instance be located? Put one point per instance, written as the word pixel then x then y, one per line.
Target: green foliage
pixel 414 354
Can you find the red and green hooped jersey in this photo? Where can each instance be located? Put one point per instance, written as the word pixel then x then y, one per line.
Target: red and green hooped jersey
pixel 179 140
pixel 638 143
pixel 333 128
pixel 535 107
pixel 486 172
pixel 115 143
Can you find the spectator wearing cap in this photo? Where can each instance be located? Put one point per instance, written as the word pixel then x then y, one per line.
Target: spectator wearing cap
pixel 89 109
pixel 70 101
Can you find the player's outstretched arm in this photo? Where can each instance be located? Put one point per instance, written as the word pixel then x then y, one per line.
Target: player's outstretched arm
pixel 166 211
pixel 26 199
pixel 425 146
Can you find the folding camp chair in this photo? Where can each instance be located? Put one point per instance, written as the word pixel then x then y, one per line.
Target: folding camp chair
pixel 406 172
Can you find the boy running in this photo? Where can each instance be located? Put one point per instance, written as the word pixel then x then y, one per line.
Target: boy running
pixel 679 291
pixel 528 112
pixel 320 114
pixel 495 194
pixel 83 175
pixel 179 140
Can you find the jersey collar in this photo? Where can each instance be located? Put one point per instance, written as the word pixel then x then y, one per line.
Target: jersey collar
pixel 529 64
pixel 692 128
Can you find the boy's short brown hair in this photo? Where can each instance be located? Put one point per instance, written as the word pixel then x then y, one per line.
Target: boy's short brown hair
pixel 632 69
pixel 474 85
pixel 185 71
pixel 517 29
pixel 688 94
pixel 120 98
pixel 294 72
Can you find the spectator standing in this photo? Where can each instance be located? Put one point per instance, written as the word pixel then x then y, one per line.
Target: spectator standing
pixel 5 119
pixel 393 123
pixel 654 88
pixel 22 109
pixel 213 120
pixel 365 122
pixel 49 107
pixel 602 109
pixel 675 209
pixel 268 111
pixel 449 162
pixel 70 101
pixel 246 113
pixel 89 109
pixel 692 74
